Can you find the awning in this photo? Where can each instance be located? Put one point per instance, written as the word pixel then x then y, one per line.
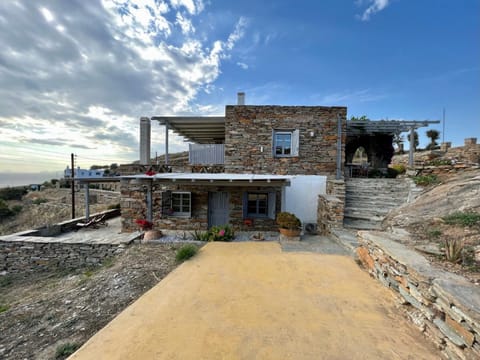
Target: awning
pixel 219 179
pixel 197 129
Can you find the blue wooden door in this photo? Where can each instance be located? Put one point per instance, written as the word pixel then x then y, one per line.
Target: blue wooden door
pixel 218 213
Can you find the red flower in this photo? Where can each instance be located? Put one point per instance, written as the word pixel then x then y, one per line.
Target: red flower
pixel 150 173
pixel 144 224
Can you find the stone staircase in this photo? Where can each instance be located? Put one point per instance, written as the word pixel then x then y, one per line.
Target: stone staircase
pixel 368 201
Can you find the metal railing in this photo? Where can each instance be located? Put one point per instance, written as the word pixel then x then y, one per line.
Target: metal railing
pixel 206 154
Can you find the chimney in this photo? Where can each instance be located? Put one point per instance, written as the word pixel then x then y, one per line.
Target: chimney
pixel 144 141
pixel 241 98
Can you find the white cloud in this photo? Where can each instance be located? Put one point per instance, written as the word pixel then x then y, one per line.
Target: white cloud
pixel 185 24
pixel 373 7
pixel 78 77
pixel 47 14
pixel 193 7
pixel 242 65
pixel 348 97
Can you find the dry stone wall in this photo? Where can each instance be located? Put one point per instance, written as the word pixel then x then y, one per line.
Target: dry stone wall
pixel 248 139
pixel 331 207
pixel 444 306
pixel 24 257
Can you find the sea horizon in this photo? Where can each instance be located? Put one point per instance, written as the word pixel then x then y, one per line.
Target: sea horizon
pixel 13 179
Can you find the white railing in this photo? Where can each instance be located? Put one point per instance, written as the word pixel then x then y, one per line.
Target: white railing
pixel 206 154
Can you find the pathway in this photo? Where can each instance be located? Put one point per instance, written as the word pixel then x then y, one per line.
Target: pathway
pixel 250 300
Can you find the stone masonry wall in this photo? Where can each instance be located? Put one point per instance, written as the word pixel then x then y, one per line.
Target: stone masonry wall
pixel 249 128
pixel 331 207
pixel 444 306
pixel 133 203
pixel 24 257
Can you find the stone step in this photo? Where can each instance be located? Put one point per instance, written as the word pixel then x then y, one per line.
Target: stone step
pixel 374 202
pixel 360 224
pixel 370 216
pixel 366 213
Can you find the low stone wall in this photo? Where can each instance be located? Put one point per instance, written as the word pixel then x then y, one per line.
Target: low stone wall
pixel 444 306
pixel 24 257
pixel 331 207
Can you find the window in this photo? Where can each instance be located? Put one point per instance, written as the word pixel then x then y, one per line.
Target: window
pixel 259 204
pixel 181 204
pixel 285 143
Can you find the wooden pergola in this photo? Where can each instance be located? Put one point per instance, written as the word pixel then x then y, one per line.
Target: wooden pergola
pixel 390 127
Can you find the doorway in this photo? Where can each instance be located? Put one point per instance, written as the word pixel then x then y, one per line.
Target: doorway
pixel 218 209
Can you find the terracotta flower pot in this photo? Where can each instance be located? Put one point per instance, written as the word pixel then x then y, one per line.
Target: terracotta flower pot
pixel 152 235
pixel 290 232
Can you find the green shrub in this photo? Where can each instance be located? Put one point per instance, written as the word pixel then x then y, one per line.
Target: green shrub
pixel 399 168
pixel 65 350
pixel 425 180
pixel 5 211
pixel 463 218
pixel 12 193
pixel 434 233
pixel 39 201
pixel 186 252
pixel 3 308
pixel 221 233
pixel 440 162
pixel 16 209
pixel 200 235
pixel 287 220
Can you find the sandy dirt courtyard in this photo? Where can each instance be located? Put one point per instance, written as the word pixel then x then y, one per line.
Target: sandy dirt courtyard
pixel 250 300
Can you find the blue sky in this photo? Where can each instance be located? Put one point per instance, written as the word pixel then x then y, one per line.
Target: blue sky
pixel 77 75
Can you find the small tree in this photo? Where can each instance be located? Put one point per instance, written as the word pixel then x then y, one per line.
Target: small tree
pixel 433 135
pixel 361 118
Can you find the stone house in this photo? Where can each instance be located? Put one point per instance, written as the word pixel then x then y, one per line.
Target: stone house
pixel 244 168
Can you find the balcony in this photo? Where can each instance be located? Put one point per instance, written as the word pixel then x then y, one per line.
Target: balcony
pixel 206 154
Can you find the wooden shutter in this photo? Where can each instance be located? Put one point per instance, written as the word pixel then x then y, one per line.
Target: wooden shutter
pixel 271 205
pixel 166 203
pixel 295 142
pixel 245 205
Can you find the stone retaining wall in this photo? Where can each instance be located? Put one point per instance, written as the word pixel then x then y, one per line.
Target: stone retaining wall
pixel 444 306
pixel 25 257
pixel 331 207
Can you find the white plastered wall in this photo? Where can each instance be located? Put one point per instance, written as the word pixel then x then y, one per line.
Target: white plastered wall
pixel 301 197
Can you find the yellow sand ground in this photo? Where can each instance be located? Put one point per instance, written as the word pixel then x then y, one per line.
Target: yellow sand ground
pixel 252 301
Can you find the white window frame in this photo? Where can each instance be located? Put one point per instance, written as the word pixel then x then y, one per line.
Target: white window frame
pixel 294 142
pixel 183 195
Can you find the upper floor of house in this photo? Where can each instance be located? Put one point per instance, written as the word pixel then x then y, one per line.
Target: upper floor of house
pixel 265 139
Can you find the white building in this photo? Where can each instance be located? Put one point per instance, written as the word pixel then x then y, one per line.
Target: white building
pixel 84 173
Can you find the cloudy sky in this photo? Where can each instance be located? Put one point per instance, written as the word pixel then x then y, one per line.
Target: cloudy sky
pixel 77 75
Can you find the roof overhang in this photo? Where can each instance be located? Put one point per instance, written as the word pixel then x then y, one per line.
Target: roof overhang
pixel 97 180
pixel 221 179
pixel 197 129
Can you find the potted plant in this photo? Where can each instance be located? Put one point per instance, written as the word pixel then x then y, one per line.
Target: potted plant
pixel 289 224
pixel 147 227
